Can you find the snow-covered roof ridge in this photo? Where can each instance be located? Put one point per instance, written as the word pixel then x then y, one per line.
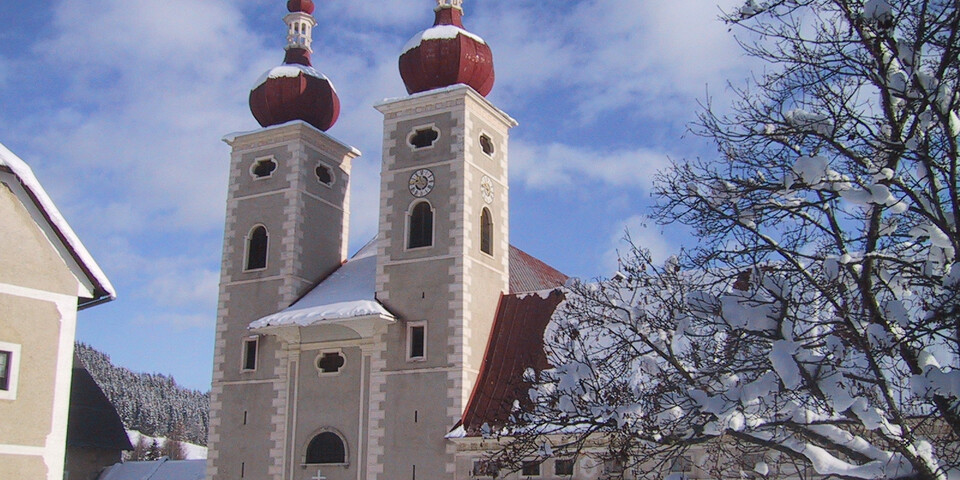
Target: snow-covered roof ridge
pixel 103 289
pixel 349 292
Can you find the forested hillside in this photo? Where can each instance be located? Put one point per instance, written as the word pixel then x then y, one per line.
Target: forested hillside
pixel 149 402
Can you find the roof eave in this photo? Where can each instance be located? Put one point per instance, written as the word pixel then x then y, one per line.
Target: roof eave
pixel 365 325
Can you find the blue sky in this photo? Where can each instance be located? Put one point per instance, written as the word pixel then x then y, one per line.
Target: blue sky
pixel 119 106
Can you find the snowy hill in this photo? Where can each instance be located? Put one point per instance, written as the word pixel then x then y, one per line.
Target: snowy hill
pixel 150 403
pixel 192 451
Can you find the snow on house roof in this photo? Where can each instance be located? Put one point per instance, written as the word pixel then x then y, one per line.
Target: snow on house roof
pixel 349 292
pixel 163 469
pixel 102 288
pixel 515 344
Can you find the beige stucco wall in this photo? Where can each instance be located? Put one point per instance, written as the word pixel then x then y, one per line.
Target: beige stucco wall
pixel 327 402
pixel 35 326
pixel 38 301
pixel 20 466
pixel 28 258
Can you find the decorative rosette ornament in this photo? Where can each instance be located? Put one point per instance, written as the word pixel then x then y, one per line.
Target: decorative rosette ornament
pixel 295 90
pixel 446 54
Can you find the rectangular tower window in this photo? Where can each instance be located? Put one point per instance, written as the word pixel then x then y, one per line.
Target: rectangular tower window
pixel 250 345
pixel 9 368
pixel 416 341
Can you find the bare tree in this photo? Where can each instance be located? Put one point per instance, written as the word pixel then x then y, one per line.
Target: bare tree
pixel 814 327
pixel 173 446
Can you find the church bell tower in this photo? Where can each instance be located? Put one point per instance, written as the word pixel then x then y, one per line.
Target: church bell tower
pixel 286 228
pixel 443 253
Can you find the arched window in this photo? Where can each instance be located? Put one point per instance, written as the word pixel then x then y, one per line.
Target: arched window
pixel 421 226
pixel 326 447
pixel 486 232
pixel 257 248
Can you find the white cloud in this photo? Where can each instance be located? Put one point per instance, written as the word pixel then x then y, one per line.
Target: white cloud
pixel 559 165
pixel 645 234
pixel 149 89
pixel 651 58
pixel 185 286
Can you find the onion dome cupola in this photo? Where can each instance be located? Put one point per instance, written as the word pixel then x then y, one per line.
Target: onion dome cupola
pixel 446 54
pixel 295 90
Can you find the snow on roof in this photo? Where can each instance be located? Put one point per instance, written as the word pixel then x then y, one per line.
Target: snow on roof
pixel 163 469
pixel 347 293
pixel 437 33
pixel 291 70
pixel 102 287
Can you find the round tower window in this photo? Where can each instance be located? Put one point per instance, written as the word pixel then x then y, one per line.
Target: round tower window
pixel 324 175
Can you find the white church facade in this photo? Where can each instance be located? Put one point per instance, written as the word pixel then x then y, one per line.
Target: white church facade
pixel 367 368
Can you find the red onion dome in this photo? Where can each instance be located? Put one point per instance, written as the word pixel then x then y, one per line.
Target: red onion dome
pixel 446 54
pixel 305 6
pixel 295 92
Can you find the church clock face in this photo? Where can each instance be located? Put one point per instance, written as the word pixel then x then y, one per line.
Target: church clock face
pixel 486 189
pixel 421 183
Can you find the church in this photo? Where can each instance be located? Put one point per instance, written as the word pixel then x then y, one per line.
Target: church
pixel 384 365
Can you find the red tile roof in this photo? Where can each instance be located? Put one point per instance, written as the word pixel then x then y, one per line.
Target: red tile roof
pixel 528 274
pixel 515 344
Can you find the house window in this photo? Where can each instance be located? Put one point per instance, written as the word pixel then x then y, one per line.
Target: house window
pixel 417 341
pixel 324 174
pixel 326 448
pixel 423 137
pixel 330 362
pixel 257 243
pixel 485 468
pixel 530 469
pixel 486 231
pixel 9 368
pixel 5 358
pixel 250 346
pixel 563 466
pixel 486 145
pixel 421 226
pixel 263 168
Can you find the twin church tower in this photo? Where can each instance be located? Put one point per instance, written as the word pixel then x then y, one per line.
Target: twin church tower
pixel 336 368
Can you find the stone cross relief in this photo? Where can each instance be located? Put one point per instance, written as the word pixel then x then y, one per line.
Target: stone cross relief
pixel 319 476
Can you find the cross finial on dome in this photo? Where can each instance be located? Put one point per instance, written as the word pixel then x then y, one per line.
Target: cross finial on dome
pixel 450 3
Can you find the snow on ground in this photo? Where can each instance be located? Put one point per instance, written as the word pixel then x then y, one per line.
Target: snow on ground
pixel 194 452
